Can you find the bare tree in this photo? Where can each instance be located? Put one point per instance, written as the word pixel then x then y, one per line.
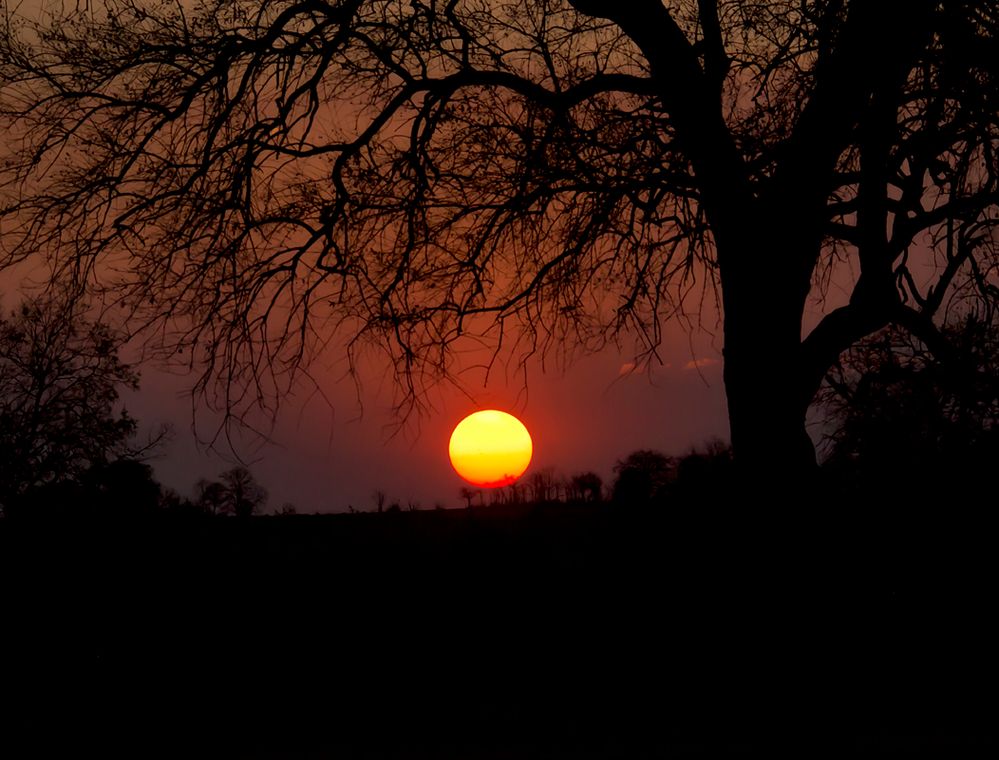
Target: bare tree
pixel 543 484
pixel 587 486
pixel 243 494
pixel 516 492
pixel 467 494
pixel 210 496
pixel 254 179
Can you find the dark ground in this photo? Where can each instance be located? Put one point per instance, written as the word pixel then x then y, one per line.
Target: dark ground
pixel 561 632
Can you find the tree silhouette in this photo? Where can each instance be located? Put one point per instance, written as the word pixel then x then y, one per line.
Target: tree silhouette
pixel 643 478
pixel 707 472
pixel 901 419
pixel 60 376
pixel 211 496
pixel 243 495
pixel 256 175
pixel 587 486
pixel 470 493
pixel 544 485
pixel 175 505
pixel 123 488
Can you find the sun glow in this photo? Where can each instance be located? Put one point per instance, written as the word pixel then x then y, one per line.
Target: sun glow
pixel 490 448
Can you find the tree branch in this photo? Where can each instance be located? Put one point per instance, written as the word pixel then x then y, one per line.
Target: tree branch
pixel 879 38
pixel 690 98
pixel 716 60
pixel 837 331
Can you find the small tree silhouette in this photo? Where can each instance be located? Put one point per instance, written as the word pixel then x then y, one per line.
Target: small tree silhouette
pixel 244 496
pixel 587 487
pixel 210 496
pixel 468 494
pixel 172 503
pixel 544 485
pixel 643 478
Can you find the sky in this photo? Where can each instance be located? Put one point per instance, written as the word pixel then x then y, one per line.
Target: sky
pixel 327 457
pixel 330 456
pixel 331 451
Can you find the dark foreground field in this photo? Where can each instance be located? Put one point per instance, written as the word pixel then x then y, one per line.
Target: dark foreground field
pixel 560 632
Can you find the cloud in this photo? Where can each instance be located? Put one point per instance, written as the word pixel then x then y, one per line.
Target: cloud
pixel 638 368
pixel 700 363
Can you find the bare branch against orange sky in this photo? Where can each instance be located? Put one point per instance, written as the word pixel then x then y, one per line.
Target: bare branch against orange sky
pixel 255 183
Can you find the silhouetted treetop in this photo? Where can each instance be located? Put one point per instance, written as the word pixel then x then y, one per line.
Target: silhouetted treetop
pixel 707 471
pixel 643 478
pixel 236 493
pixel 244 495
pixel 60 377
pixel 210 496
pixel 258 178
pixel 587 487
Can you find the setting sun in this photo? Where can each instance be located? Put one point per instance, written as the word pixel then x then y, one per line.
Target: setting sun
pixel 490 448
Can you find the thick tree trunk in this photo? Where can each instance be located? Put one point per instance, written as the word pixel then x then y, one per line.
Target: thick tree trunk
pixel 766 412
pixel 764 302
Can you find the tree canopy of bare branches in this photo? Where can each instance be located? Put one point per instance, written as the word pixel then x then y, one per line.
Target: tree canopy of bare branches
pixel 254 179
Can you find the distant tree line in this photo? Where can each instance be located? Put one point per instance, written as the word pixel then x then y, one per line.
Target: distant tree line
pixel 236 493
pixel 644 478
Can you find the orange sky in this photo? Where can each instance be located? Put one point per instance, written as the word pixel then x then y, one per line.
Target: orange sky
pixel 326 459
